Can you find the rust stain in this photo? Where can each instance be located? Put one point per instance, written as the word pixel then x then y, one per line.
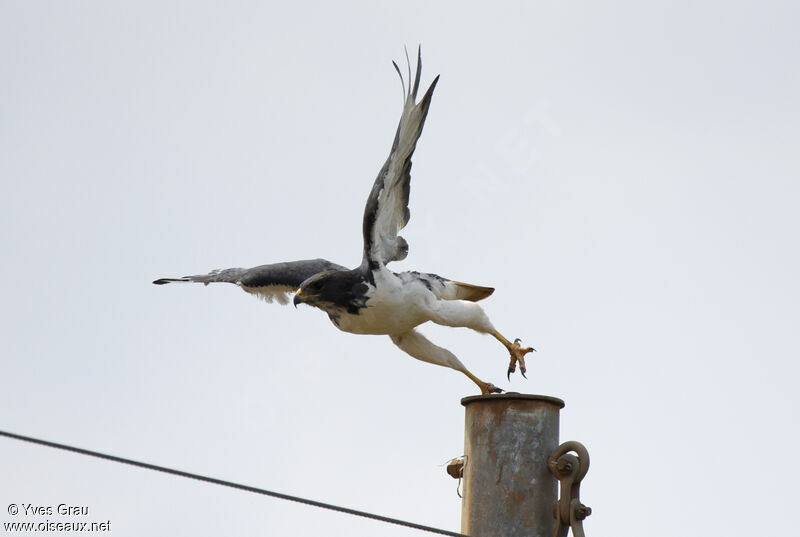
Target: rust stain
pixel 498 411
pixel 514 500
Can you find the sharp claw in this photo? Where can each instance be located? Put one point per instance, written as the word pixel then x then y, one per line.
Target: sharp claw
pixel 518 353
pixel 490 388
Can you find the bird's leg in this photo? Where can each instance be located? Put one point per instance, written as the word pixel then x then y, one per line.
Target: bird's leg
pixel 486 387
pixel 418 346
pixel 517 352
pixel 471 315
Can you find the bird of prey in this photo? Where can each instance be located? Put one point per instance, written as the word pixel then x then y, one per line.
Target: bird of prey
pixel 371 299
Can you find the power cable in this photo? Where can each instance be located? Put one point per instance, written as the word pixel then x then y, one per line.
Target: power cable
pixel 230 484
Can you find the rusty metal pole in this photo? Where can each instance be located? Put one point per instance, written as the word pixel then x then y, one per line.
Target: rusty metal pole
pixel 508 488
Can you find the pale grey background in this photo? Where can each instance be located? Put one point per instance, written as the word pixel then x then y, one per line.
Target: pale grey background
pixel 625 175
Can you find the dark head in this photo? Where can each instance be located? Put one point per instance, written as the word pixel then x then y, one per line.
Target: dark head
pixel 333 291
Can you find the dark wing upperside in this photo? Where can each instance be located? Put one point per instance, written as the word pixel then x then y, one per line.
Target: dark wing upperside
pixel 270 282
pixel 386 212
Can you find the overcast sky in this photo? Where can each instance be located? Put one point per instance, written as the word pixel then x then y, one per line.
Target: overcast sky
pixel 625 176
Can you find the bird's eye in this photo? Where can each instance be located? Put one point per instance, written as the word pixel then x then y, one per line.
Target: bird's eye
pixel 315 286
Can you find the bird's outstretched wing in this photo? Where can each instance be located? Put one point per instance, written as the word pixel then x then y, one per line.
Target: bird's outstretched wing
pixel 386 212
pixel 270 282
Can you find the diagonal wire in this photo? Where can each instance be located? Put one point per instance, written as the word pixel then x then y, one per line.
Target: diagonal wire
pixel 230 484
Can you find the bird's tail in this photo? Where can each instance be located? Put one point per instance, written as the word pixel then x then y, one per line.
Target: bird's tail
pixel 467 291
pixel 231 275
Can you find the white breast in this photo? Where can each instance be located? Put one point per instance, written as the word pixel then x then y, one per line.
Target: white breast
pixel 394 307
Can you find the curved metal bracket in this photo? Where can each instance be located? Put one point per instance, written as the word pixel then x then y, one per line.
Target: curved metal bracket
pixel 569 470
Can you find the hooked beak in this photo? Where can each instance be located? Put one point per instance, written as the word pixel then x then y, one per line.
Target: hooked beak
pixel 298 297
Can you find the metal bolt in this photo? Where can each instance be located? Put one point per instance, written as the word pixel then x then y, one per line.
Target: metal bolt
pixel 582 511
pixel 564 467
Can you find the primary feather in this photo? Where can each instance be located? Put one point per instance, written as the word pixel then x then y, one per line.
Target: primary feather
pixel 386 211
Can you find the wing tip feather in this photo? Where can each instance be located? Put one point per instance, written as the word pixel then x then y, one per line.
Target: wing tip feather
pixel 402 82
pixel 419 71
pixel 164 281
